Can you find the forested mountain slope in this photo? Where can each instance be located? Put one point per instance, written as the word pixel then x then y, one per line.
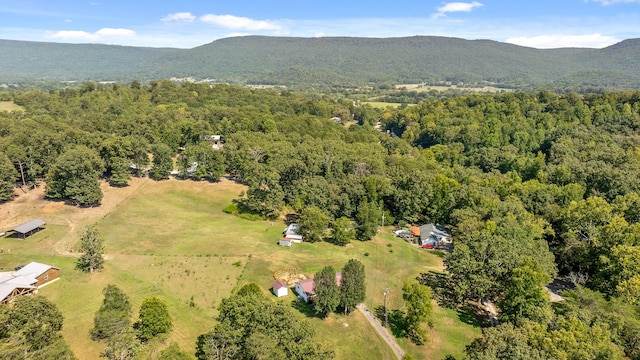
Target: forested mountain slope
pixel 328 61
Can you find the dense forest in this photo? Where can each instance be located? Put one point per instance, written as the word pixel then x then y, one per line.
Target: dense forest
pixel 532 185
pixel 329 61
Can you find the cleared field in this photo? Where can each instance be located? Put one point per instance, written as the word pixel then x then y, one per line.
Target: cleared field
pixel 10 106
pixel 171 239
pixel 440 88
pixel 382 105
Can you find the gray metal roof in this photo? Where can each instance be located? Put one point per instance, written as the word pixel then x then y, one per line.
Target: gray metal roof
pixel 28 226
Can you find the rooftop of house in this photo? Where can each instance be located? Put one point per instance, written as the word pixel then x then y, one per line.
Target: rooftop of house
pixel 307 285
pixel 279 285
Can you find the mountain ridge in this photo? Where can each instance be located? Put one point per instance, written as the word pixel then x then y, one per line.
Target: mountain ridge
pixel 328 61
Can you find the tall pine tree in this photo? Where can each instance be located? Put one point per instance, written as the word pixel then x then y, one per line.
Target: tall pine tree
pixel 91 244
pixel 327 291
pixel 352 288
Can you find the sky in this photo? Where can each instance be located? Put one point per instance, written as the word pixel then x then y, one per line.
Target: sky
pixel 191 23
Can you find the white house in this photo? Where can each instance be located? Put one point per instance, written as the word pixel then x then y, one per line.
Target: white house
pixel 432 234
pixel 304 288
pixel 280 289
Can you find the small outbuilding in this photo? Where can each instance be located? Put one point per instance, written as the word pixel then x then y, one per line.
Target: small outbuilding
pixel 29 228
pixel 291 233
pixel 280 289
pixel 285 242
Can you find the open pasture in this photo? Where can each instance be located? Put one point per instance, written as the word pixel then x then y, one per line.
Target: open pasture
pixel 171 239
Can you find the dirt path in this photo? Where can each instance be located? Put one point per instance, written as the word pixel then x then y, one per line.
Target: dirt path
pixel 388 338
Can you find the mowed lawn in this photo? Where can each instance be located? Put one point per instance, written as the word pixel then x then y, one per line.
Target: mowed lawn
pixel 171 239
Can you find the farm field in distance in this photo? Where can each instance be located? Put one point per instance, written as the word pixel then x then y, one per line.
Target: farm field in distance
pixel 171 239
pixel 479 89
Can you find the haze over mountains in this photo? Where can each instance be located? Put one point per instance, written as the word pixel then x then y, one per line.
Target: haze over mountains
pixel 328 61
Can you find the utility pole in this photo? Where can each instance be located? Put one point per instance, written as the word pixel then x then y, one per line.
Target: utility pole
pixel 386 317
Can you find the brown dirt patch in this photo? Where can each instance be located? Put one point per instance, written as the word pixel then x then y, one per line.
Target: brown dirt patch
pixel 289 276
pixel 33 205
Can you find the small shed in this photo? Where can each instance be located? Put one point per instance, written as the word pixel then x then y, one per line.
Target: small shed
pixel 291 233
pixel 285 242
pixel 29 228
pixel 280 289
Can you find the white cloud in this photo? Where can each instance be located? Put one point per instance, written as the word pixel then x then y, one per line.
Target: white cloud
pixel 559 41
pixel 458 7
pixel 115 32
pixel 72 35
pixel 179 17
pixel 100 35
pixel 237 34
pixel 237 22
pixel 613 2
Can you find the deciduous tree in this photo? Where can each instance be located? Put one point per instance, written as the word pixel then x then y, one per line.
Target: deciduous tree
pixel 417 299
pixel 525 296
pixel 173 352
pixel 122 345
pixel 31 330
pixel 343 231
pixel 154 319
pixel 74 176
pixel 253 327
pixel 368 217
pixel 313 221
pixel 162 162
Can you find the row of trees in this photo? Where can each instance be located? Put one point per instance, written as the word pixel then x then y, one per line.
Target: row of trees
pixel 347 294
pixel 112 324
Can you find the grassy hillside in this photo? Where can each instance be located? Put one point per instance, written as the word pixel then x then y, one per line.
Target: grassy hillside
pixel 172 240
pixel 328 61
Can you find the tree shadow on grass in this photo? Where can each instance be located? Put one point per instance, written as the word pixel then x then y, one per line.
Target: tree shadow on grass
pixel 442 288
pixel 468 316
pixel 306 309
pixel 397 325
pixel 443 293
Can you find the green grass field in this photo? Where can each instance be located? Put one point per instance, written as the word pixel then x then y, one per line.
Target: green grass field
pixel 382 105
pixel 10 106
pixel 172 240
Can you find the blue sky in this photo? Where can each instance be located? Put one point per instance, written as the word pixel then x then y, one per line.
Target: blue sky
pixel 188 23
